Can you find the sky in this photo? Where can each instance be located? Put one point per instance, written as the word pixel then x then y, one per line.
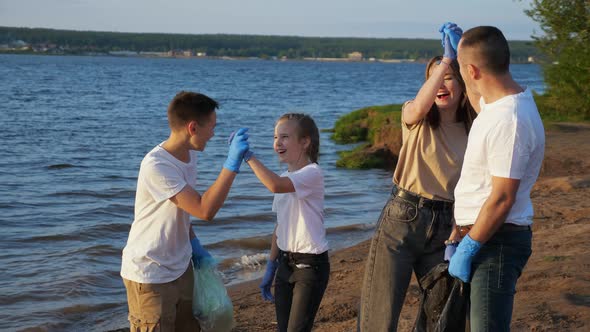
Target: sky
pixel 320 18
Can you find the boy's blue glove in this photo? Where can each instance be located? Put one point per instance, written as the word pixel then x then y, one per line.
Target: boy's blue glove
pixel 201 257
pixel 460 265
pixel 237 147
pixel 269 277
pixel 247 154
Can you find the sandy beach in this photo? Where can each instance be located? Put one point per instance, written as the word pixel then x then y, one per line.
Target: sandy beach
pixel 553 294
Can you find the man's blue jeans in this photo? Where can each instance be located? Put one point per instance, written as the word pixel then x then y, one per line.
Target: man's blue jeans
pixel 495 270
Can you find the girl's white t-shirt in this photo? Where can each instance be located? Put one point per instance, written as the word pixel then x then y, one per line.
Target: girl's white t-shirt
pixel 158 249
pixel 300 214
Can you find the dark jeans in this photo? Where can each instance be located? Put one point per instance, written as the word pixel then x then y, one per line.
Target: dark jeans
pixel 496 268
pixel 407 238
pixel 299 287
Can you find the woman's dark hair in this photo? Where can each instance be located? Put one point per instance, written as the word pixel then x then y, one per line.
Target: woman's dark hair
pixel 465 113
pixel 306 127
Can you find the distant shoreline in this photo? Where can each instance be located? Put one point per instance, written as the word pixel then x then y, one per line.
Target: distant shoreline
pixel 233 58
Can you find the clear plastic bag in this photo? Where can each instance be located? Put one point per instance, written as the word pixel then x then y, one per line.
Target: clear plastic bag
pixel 211 305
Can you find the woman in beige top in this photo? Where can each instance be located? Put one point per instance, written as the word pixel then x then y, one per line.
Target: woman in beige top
pixel 417 218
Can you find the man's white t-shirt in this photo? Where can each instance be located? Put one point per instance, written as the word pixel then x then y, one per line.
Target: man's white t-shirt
pixel 300 214
pixel 507 140
pixel 158 249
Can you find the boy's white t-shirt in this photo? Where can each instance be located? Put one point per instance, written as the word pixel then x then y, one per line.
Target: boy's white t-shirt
pixel 507 140
pixel 158 249
pixel 300 214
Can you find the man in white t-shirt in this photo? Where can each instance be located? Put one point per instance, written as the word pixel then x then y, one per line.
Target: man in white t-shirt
pixel 493 208
pixel 156 264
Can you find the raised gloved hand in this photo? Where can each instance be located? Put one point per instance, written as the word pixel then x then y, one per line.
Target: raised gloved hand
pixel 269 276
pixel 453 33
pixel 248 154
pixel 450 250
pixel 460 265
pixel 237 147
pixel 201 257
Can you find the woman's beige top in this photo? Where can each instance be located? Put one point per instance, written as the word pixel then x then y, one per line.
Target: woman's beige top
pixel 430 160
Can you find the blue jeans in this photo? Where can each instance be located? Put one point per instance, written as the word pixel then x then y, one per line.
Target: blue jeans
pixel 495 270
pixel 408 237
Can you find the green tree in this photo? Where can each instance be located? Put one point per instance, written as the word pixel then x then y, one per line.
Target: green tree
pixel 566 44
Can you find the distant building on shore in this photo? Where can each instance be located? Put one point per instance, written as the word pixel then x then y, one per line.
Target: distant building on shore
pixel 355 56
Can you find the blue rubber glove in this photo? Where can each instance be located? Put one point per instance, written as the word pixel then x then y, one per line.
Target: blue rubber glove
pixel 449 51
pixel 446 25
pixel 201 257
pixel 450 251
pixel 460 265
pixel 248 154
pixel 454 33
pixel 237 148
pixel 269 277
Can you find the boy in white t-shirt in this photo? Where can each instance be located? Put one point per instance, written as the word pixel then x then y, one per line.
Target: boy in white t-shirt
pixel 156 264
pixel 299 249
pixel 493 208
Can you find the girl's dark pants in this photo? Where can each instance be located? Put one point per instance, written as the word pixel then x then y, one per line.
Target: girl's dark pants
pixel 299 287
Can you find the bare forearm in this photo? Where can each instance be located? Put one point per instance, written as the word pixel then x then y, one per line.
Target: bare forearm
pixel 421 105
pixel 272 181
pixel 213 198
pixel 491 217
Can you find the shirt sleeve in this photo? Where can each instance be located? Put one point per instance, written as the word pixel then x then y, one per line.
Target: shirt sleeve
pixel 307 181
pixel 508 150
pixel 162 180
pixel 404 124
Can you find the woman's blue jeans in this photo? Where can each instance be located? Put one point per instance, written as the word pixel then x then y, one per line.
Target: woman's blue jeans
pixel 407 238
pixel 495 270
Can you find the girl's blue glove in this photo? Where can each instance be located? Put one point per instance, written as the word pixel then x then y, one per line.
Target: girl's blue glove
pixel 201 257
pixel 460 265
pixel 269 277
pixel 237 148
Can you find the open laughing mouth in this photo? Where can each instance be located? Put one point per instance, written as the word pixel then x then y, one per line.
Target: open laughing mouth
pixel 442 96
pixel 281 151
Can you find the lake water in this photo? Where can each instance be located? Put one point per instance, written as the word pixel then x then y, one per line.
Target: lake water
pixel 74 131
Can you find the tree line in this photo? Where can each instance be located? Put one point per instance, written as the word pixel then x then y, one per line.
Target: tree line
pixel 243 45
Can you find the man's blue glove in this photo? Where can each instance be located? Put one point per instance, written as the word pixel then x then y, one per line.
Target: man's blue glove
pixel 248 154
pixel 446 25
pixel 201 257
pixel 450 251
pixel 237 148
pixel 269 277
pixel 460 265
pixel 454 33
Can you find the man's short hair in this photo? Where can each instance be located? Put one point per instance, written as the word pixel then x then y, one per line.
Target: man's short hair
pixel 190 106
pixel 490 47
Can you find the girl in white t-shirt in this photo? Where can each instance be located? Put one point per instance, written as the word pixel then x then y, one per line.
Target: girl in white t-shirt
pixel 299 250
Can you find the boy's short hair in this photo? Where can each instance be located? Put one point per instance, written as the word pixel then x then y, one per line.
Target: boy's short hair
pixel 490 46
pixel 189 106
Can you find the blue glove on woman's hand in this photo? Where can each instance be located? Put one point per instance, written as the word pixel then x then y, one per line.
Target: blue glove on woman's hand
pixel 460 265
pixel 201 257
pixel 451 34
pixel 269 277
pixel 237 147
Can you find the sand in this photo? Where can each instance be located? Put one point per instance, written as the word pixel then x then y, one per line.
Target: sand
pixel 553 294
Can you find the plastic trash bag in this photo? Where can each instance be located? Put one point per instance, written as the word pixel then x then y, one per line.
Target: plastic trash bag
pixel 444 303
pixel 211 305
